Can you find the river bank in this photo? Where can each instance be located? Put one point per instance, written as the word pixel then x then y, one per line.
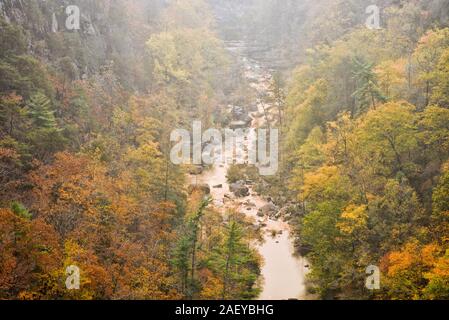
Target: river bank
pixel 283 272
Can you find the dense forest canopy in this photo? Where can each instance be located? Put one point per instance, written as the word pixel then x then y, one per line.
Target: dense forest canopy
pixel 85 174
pixel 85 122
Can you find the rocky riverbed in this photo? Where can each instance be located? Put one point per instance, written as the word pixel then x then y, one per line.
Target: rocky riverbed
pixel 283 271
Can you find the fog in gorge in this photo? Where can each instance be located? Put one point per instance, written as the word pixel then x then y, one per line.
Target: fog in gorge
pixel 224 150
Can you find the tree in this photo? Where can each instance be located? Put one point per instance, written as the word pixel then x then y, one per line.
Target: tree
pixel 12 39
pixel 40 113
pixel 30 253
pixel 44 134
pixel 428 54
pixel 395 217
pixel 186 249
pixel 389 132
pixel 367 92
pixel 434 133
pixel 405 269
pixel 391 78
pixel 438 277
pixel 441 81
pixel 235 262
pixel 278 96
pixel 192 14
pixel 11 112
pixel 440 207
pixel 11 170
pixel 326 193
pixel 308 114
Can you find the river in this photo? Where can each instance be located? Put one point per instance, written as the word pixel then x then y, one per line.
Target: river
pixel 283 272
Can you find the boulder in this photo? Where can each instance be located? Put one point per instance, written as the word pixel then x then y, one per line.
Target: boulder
pixel 239 189
pixel 240 124
pixel 247 119
pixel 249 204
pixel 196 170
pixel 237 111
pixel 253 107
pixel 268 210
pixel 202 187
pixel 302 249
pixel 286 211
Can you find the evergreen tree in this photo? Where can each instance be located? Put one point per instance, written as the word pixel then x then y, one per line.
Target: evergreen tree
pixel 186 250
pixel 45 136
pixel 368 92
pixel 236 263
pixel 40 113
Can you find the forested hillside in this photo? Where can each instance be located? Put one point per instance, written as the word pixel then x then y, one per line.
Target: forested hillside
pixel 86 180
pixel 365 141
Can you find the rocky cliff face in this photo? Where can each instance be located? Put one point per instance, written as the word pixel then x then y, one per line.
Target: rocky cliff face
pixel 106 33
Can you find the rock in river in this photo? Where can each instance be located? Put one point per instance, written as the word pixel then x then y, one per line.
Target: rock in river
pixel 238 125
pixel 203 187
pixel 268 210
pixel 196 170
pixel 239 189
pixel 249 203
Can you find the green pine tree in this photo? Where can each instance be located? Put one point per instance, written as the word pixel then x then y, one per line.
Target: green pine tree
pixel 368 92
pixel 40 113
pixel 186 250
pixel 236 263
